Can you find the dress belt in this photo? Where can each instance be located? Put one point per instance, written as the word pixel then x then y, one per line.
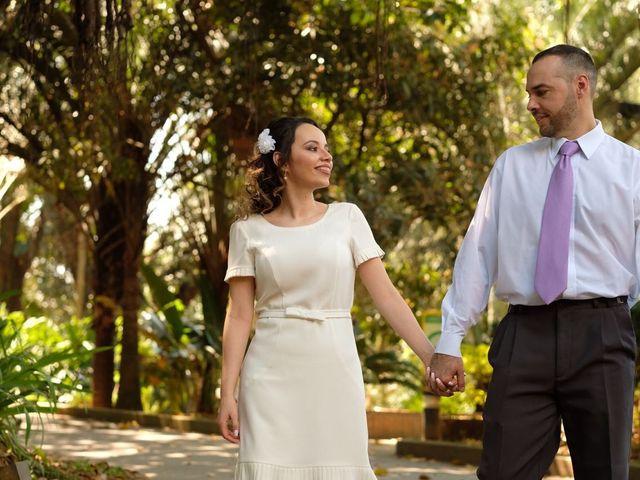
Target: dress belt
pixel 306 314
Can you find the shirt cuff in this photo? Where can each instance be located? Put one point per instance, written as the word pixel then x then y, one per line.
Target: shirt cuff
pixel 449 344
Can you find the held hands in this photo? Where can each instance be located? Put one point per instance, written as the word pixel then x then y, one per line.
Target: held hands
pixel 445 375
pixel 228 420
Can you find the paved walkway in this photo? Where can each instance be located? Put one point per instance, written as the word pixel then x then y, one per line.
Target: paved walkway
pixel 170 455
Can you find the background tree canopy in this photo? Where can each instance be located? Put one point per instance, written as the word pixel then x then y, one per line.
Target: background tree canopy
pixel 125 127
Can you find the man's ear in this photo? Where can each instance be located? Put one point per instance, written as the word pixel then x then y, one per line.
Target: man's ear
pixel 583 87
pixel 277 158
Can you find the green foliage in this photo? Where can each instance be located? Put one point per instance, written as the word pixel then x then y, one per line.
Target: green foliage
pixel 170 306
pixel 417 98
pixel 176 348
pixel 6 295
pixel 387 367
pixel 27 377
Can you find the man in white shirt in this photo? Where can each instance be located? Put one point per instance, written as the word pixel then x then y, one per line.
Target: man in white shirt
pixel 566 349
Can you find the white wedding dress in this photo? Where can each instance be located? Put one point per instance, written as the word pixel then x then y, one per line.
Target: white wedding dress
pixel 301 396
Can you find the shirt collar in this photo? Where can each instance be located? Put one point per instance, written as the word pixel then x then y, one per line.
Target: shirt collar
pixel 589 142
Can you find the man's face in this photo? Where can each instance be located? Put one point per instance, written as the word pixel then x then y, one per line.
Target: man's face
pixel 552 100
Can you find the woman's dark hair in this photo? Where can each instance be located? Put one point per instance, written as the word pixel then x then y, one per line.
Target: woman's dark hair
pixel 265 179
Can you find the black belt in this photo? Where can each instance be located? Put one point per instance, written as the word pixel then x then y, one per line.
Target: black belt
pixel 599 302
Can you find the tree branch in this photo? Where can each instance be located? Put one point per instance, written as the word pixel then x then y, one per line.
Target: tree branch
pixel 31 139
pixel 629 64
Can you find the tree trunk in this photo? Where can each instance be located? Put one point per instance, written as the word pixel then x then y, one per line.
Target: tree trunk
pixel 214 323
pixel 214 299
pixel 81 273
pixel 11 274
pixel 122 229
pixel 213 260
pixel 207 401
pixel 107 288
pixel 16 258
pixel 129 390
pixel 215 265
pixel 134 194
pixel 103 366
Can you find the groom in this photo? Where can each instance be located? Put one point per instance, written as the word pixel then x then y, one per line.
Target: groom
pixel 556 230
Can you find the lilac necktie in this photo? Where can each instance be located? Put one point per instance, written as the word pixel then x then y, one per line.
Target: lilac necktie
pixel 553 248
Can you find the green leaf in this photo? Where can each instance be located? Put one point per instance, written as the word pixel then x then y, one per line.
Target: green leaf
pixel 165 300
pixel 6 295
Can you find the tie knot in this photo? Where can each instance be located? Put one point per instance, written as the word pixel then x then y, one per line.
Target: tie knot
pixel 569 148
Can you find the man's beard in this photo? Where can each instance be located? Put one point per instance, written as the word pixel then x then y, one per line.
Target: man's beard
pixel 561 120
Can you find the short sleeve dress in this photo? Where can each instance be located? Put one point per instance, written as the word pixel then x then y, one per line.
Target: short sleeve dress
pixel 301 396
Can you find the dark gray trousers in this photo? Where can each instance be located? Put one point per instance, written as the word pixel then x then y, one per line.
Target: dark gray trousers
pixel 571 360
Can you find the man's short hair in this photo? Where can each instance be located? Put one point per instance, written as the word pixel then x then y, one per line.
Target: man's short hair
pixel 575 59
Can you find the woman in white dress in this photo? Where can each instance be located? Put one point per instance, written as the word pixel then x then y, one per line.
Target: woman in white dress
pixel 300 409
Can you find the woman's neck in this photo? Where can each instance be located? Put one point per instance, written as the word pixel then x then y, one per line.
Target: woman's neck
pixel 298 206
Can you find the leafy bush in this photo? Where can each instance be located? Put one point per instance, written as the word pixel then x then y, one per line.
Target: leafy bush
pixel 30 382
pixel 180 348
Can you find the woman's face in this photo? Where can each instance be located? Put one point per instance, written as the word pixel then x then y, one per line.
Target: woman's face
pixel 310 162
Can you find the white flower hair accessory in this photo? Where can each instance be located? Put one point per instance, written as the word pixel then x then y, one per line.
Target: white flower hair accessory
pixel 266 143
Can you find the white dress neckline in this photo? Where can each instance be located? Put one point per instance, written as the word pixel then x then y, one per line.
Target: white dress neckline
pixel 319 220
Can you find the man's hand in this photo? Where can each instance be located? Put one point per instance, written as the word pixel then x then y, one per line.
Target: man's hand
pixel 445 374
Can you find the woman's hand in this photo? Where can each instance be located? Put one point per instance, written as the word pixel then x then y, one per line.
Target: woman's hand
pixel 445 375
pixel 228 420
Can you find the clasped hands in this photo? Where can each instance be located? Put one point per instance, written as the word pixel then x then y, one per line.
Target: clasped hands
pixel 445 375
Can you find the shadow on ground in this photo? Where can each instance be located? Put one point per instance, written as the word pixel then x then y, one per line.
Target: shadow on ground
pixel 157 454
pixel 170 455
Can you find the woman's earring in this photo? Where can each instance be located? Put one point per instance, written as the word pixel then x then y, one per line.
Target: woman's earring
pixel 285 175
